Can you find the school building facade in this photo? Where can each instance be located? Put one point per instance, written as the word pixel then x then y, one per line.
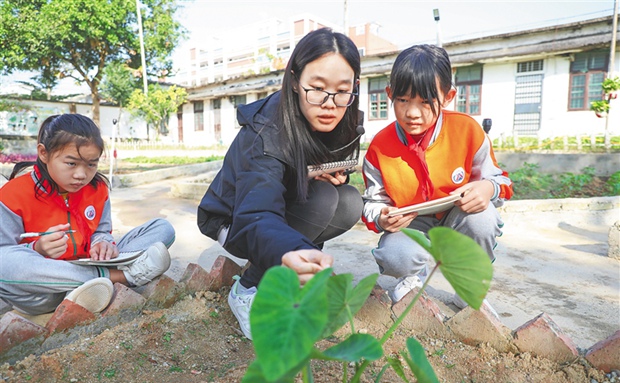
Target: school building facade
pixel 536 82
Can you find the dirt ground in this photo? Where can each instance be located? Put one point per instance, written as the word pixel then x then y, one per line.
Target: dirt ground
pixel 198 340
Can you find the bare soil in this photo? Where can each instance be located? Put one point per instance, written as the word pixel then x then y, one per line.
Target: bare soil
pixel 198 340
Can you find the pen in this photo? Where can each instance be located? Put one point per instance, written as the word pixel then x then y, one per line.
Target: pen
pixel 30 235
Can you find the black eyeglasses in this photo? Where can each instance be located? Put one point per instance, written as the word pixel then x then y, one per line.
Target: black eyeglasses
pixel 320 97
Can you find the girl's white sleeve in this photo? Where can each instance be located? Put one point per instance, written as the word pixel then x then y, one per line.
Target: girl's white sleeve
pixel 375 198
pixel 11 226
pixel 104 230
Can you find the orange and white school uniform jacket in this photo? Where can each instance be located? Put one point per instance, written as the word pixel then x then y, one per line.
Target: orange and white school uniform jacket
pixel 88 211
pixel 459 152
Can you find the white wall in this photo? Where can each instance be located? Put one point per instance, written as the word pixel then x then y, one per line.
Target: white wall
pixel 129 127
pixel 497 96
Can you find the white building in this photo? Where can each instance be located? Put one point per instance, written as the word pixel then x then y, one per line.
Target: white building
pixel 261 48
pixel 536 82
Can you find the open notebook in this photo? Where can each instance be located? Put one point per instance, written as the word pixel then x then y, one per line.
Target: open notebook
pixel 124 258
pixel 428 207
pixel 330 167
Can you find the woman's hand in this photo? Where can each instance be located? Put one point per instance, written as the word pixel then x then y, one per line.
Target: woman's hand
pixel 306 263
pixel 53 245
pixel 336 178
pixel 476 196
pixel 103 251
pixel 396 222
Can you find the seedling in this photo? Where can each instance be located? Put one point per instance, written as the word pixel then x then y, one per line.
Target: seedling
pixel 287 321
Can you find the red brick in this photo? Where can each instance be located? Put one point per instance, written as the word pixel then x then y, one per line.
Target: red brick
pixel 196 279
pixel 15 330
pixel 542 337
pixel 162 292
pixel 474 327
pixel 67 315
pixel 376 310
pixel 222 272
pixel 123 298
pixel 605 355
pixel 424 317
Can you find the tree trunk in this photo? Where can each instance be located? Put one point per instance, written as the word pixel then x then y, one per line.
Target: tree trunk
pixel 94 93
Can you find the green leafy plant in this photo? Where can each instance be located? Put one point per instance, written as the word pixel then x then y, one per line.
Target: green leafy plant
pixel 528 180
pixel 613 183
pixel 600 107
pixel 287 321
pixel 611 85
pixel 571 183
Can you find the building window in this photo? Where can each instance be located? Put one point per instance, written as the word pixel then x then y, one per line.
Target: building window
pixel 587 72
pixel 199 122
pixel 468 81
pixel 530 66
pixel 238 100
pixel 377 98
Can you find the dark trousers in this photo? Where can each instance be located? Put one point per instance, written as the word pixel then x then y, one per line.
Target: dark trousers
pixel 328 212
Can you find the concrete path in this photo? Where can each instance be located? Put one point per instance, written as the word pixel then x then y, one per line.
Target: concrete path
pixel 554 262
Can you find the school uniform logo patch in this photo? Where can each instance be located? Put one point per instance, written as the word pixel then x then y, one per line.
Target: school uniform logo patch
pixel 458 175
pixel 89 213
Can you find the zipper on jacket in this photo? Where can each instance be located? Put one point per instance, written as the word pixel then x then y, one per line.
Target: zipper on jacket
pixel 71 237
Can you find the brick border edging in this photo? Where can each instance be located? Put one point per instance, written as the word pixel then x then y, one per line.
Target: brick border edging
pixel 540 336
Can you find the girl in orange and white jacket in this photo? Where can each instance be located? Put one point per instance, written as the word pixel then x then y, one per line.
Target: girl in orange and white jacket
pixel 59 212
pixel 426 154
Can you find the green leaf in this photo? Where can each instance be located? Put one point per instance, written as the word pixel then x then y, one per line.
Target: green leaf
pixel 345 301
pixel 254 374
pixel 397 367
pixel 462 262
pixel 419 237
pixel 285 320
pixel 418 363
pixel 355 348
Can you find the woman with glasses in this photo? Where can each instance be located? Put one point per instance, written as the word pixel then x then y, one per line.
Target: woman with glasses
pixel 263 206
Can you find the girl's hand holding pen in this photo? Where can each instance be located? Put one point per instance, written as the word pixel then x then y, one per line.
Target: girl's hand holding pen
pixel 55 244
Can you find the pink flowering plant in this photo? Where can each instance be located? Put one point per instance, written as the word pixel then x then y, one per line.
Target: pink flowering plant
pixel 13 158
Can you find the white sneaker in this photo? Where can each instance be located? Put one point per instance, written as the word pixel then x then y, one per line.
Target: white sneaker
pixel 240 304
pixel 93 295
pixel 404 286
pixel 150 265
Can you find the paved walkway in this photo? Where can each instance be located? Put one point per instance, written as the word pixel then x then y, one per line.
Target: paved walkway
pixel 554 262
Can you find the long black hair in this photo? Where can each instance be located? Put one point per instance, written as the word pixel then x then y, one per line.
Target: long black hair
pixel 55 134
pixel 416 70
pixel 306 147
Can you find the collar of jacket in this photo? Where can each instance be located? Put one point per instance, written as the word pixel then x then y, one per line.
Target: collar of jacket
pixel 402 135
pixel 259 116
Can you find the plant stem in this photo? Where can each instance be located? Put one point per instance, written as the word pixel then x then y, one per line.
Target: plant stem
pixel 390 331
pixel 306 373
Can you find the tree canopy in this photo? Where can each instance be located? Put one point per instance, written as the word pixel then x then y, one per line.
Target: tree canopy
pixel 157 105
pixel 78 38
